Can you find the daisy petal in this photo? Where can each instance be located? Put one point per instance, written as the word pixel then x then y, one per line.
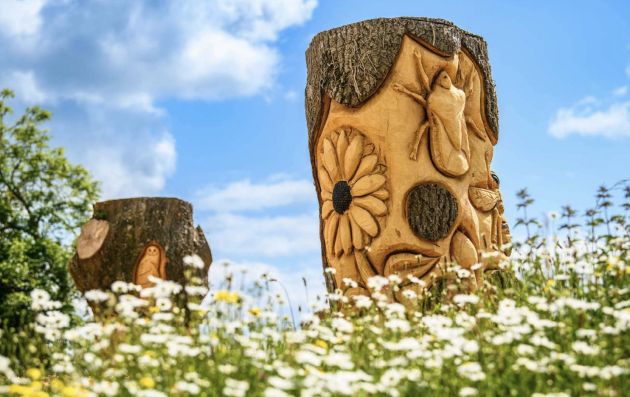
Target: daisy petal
pixel 324 180
pixel 342 145
pixel 330 160
pixel 331 231
pixel 357 233
pixel 372 204
pixel 367 185
pixel 365 220
pixel 381 194
pixel 344 232
pixel 327 209
pixel 367 165
pixel 353 156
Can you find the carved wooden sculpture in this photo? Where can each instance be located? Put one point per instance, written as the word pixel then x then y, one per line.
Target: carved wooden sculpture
pixel 151 263
pixel 133 239
pixel 444 105
pixel 402 120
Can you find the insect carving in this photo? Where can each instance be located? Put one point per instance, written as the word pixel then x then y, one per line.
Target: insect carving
pixel 151 262
pixel 486 200
pixel 444 104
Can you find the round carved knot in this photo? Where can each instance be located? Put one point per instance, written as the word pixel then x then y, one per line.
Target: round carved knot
pixel 341 197
pixel 431 211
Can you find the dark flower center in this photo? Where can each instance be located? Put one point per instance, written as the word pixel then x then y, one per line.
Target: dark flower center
pixel 341 197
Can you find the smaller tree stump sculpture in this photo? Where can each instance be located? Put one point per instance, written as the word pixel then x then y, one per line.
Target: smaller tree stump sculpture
pixel 133 239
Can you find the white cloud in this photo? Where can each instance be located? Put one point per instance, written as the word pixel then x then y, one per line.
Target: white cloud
pixel 131 153
pixel 594 117
pixel 151 50
pixel 257 233
pixel 588 100
pixel 242 195
pixel 290 96
pixel 267 236
pixel 107 63
pixel 613 122
pixel 21 17
pixel 25 86
pixel 132 167
pixel 621 91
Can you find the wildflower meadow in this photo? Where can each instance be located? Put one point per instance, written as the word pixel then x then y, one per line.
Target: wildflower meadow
pixel 560 327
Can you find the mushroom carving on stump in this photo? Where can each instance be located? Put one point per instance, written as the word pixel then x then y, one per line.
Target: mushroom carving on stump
pixel 135 239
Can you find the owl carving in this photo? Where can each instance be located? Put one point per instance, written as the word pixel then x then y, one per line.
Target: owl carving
pixel 150 263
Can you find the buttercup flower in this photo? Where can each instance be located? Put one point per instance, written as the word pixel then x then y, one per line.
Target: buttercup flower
pixel 254 311
pixel 227 296
pixel 147 382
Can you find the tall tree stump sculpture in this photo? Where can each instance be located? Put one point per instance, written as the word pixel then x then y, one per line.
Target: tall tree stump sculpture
pixel 132 239
pixel 402 120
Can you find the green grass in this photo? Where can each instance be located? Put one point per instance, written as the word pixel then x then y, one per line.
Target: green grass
pixel 557 325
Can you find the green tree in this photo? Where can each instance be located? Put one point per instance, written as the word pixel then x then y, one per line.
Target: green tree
pixel 43 202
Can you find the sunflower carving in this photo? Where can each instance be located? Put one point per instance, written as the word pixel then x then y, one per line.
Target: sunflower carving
pixel 353 191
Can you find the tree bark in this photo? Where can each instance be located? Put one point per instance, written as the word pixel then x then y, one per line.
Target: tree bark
pixel 349 63
pixel 431 211
pixel 113 240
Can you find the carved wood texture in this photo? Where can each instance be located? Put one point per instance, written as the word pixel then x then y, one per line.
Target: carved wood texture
pixel 403 119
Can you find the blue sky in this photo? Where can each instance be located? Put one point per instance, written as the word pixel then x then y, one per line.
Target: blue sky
pixel 203 100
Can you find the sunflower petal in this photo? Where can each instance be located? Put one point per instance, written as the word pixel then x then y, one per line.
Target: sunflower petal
pixel 367 165
pixel 381 168
pixel 369 149
pixel 324 180
pixel 365 220
pixel 331 232
pixel 381 194
pixel 342 145
pixel 347 269
pixel 364 268
pixel 346 235
pixel 353 156
pixel 334 136
pixel 367 185
pixel 338 244
pixel 326 195
pixel 327 209
pixel 357 233
pixel 372 204
pixel 330 160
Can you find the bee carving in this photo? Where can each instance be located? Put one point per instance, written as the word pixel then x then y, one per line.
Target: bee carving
pixel 490 200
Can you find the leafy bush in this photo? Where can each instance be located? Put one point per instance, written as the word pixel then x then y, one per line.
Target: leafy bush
pixel 43 200
pixel 561 330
